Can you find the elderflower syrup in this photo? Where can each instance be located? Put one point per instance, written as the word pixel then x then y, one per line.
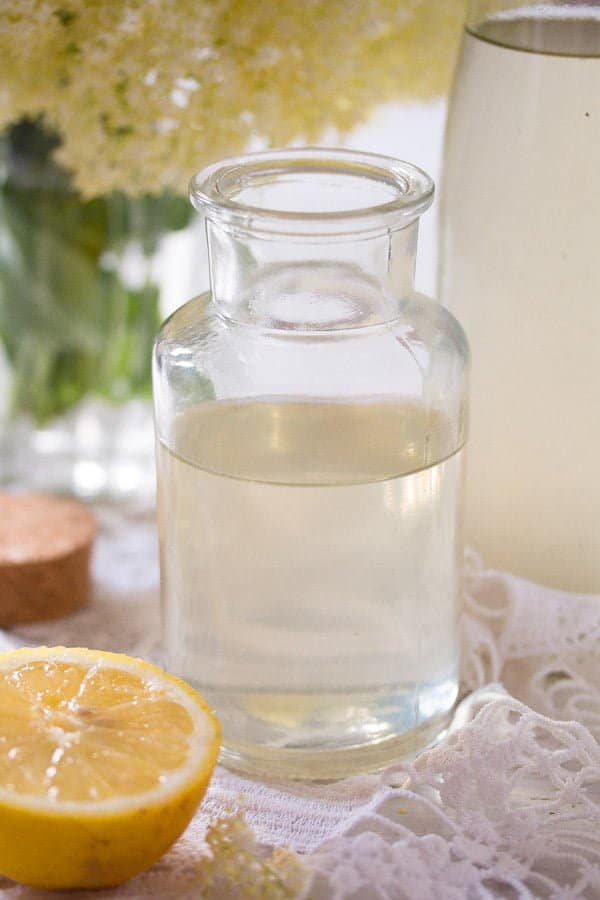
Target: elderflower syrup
pixel 310 419
pixel 520 267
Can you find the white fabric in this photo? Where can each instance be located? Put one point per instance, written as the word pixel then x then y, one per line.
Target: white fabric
pixel 507 805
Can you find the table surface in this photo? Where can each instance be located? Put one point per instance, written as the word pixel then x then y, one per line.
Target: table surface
pixel 509 800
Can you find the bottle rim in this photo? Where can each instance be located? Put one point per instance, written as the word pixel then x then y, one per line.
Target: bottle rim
pixel 403 191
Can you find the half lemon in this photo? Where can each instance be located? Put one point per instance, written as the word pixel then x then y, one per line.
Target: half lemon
pixel 103 761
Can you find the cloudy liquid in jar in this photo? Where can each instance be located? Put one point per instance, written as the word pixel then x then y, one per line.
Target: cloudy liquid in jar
pixel 310 570
pixel 520 269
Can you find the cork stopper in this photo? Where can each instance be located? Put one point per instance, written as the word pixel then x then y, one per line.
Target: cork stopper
pixel 45 549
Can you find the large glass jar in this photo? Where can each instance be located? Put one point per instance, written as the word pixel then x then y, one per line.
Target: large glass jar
pixel 84 284
pixel 520 267
pixel 310 413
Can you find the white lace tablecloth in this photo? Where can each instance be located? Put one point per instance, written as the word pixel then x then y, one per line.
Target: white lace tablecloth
pixel 507 805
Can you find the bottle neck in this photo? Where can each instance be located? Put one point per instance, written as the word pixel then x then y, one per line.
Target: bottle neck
pixel 316 283
pixel 311 239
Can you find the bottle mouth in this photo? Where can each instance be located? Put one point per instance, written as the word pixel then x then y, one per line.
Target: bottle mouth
pixel 312 192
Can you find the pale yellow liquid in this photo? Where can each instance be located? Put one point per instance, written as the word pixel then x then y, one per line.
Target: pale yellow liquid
pixel 521 270
pixel 310 566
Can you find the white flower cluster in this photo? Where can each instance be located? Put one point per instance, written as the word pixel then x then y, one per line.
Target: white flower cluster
pixel 145 92
pixel 235 870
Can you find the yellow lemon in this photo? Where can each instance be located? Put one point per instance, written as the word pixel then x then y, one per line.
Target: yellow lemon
pixel 103 760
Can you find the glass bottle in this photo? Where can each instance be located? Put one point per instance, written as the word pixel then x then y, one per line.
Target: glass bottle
pixel 310 415
pixel 520 219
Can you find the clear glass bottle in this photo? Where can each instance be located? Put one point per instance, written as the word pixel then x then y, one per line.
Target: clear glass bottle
pixel 519 266
pixel 310 414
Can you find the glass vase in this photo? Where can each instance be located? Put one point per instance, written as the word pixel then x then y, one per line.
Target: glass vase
pixel 310 414
pixel 520 218
pixel 79 307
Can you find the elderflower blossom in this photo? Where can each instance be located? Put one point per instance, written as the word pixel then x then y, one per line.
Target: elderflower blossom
pixel 144 92
pixel 235 870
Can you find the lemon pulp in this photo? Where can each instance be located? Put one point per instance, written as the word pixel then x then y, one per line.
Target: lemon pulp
pixel 103 760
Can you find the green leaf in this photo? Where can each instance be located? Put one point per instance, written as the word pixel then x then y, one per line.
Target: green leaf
pixel 68 323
